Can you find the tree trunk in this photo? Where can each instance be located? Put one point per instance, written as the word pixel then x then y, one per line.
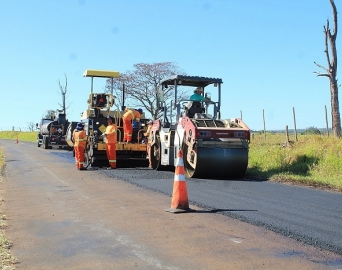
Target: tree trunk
pixel 335 111
pixel 331 71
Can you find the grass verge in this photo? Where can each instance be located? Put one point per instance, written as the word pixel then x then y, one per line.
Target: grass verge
pixel 313 160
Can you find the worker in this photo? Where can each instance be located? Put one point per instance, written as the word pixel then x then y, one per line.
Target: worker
pixel 198 95
pixel 79 138
pixel 128 117
pixel 147 134
pixel 111 138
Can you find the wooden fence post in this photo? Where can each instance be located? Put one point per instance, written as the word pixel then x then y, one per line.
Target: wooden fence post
pixel 263 117
pixel 294 120
pixel 326 120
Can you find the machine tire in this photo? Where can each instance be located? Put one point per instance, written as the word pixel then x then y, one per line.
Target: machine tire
pixel 46 143
pixel 38 144
pixel 156 155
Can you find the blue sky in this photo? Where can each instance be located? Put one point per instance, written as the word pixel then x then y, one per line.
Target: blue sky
pixel 264 51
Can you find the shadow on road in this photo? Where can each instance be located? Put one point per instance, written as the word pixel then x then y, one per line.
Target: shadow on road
pixel 225 210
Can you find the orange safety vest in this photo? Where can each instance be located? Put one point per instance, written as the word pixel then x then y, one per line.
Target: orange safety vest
pixel 131 114
pixel 111 133
pixel 80 138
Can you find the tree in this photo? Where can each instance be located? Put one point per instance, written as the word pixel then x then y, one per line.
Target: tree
pixel 142 85
pixel 31 126
pixel 331 71
pixel 312 131
pixel 63 91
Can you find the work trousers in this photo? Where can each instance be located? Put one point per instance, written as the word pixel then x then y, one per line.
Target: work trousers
pixel 111 154
pixel 128 130
pixel 148 150
pixel 79 156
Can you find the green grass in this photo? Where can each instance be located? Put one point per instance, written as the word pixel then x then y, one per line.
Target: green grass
pixel 313 160
pixel 22 136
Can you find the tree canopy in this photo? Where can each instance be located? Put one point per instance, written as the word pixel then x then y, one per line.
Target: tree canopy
pixel 142 85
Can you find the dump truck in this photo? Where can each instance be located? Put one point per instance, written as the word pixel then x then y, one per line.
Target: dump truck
pixel 52 129
pixel 212 147
pixel 94 119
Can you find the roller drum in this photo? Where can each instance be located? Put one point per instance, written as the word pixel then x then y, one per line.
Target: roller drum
pixel 218 163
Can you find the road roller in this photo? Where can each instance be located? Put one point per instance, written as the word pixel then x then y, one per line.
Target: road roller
pixel 212 147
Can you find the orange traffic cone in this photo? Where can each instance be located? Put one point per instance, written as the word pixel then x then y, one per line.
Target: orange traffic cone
pixel 180 202
pixel 17 139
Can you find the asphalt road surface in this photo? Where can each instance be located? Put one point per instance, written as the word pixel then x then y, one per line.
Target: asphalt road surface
pixel 61 218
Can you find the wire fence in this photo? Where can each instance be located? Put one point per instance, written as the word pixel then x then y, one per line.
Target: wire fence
pixel 20 129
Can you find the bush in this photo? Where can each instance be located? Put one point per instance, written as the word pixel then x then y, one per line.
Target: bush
pixel 311 131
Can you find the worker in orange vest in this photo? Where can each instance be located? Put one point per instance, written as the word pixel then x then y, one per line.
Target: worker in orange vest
pixel 148 147
pixel 111 138
pixel 128 117
pixel 80 140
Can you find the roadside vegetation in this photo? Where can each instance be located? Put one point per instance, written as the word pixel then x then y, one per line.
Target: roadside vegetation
pixel 22 136
pixel 314 160
pixel 7 260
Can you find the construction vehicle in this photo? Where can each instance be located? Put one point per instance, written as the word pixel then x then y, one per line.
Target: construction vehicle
pixel 52 129
pixel 94 119
pixel 212 147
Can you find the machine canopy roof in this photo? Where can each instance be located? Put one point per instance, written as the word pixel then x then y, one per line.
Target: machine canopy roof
pixel 191 80
pixel 101 73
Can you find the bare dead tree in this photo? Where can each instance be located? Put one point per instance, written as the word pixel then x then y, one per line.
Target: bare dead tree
pixel 331 71
pixel 63 91
pixel 142 87
pixel 31 126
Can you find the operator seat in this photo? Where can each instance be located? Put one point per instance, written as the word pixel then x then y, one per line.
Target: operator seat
pixel 194 107
pixel 100 100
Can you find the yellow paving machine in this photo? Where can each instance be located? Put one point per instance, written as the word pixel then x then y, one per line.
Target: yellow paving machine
pixel 94 119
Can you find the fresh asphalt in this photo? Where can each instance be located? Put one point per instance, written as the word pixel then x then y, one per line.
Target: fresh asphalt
pixel 308 215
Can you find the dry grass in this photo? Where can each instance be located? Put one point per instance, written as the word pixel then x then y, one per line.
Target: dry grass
pixel 313 160
pixel 22 136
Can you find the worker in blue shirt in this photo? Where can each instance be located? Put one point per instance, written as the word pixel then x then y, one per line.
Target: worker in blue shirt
pixel 198 95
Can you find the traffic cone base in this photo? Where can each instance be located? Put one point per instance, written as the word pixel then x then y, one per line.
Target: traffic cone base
pixel 177 211
pixel 180 201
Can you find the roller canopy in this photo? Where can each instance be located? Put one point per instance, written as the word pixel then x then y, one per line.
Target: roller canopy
pixel 101 73
pixel 191 80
